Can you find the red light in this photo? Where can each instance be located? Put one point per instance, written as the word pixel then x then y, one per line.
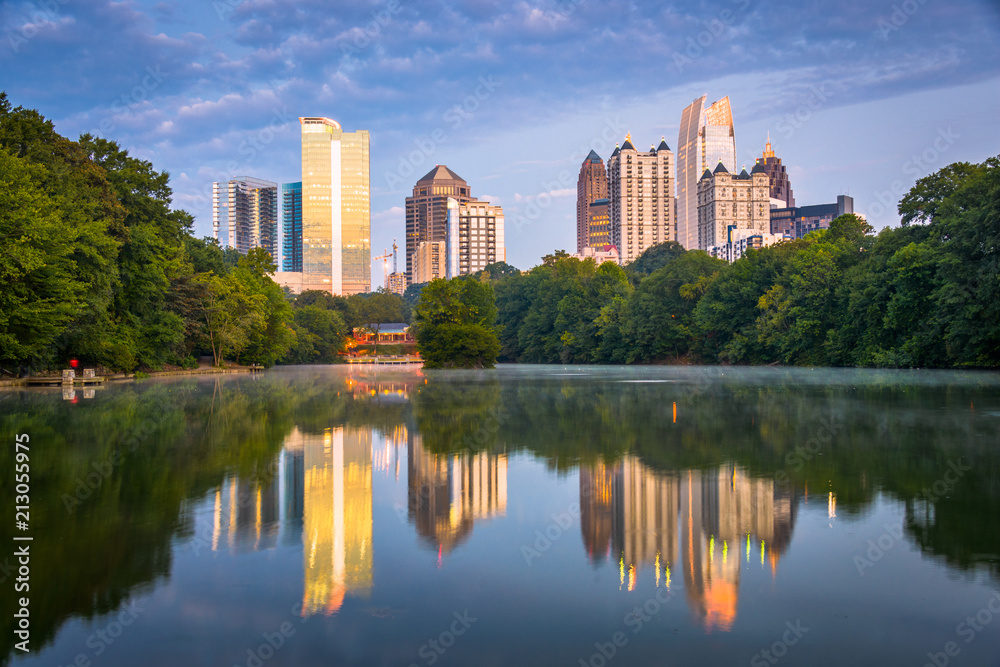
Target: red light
pixel 74 363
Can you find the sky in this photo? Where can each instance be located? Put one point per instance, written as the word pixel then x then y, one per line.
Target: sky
pixel 859 97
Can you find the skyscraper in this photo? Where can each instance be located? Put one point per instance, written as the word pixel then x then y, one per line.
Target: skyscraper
pixel 427 210
pixel 336 208
pixel 247 209
pixel 591 186
pixel 641 195
pixel 291 225
pixel 780 186
pixel 706 137
pixel 475 237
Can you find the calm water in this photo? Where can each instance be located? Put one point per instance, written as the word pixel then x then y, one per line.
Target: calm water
pixel 527 516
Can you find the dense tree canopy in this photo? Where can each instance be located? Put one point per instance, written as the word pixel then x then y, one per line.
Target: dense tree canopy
pixel 456 324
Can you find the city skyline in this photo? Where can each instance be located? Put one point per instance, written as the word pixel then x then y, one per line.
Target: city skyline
pixel 214 92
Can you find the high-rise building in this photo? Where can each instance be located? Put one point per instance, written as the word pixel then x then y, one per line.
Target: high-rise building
pixel 598 224
pixel 291 227
pixel 247 209
pixel 727 202
pixel 641 198
pixel 427 209
pixel 780 186
pixel 798 221
pixel 336 208
pixel 591 186
pixel 397 283
pixel 429 262
pixel 706 137
pixel 475 237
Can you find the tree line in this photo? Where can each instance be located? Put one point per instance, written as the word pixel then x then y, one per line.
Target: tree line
pixel 96 266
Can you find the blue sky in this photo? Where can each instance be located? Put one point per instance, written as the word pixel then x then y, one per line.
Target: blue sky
pixel 859 97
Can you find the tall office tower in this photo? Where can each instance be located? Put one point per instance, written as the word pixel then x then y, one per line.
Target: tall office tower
pixel 247 208
pixel 427 210
pixel 727 202
pixel 336 208
pixel 291 226
pixel 706 137
pixel 591 186
pixel 475 237
pixel 641 195
pixel 780 186
pixel 598 224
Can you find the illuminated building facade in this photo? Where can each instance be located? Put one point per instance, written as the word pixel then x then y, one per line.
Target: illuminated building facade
pixel 598 224
pixel 641 198
pixel 336 208
pixel 780 187
pixel 706 138
pixel 591 187
pixel 247 209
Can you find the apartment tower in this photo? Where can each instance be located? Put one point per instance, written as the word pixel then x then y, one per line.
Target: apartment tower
pixel 427 210
pixel 641 198
pixel 247 209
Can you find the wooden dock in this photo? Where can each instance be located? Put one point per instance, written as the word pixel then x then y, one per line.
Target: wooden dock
pixel 53 380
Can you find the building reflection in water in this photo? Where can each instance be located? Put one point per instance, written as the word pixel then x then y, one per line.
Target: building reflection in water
pixel 701 522
pixel 447 493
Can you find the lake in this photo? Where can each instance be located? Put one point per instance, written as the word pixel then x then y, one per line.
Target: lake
pixel 531 515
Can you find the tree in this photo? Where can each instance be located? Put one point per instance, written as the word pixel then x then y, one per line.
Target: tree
pixel 653 258
pixel 456 324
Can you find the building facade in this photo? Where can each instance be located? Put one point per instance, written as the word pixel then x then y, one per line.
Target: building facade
pixel 796 222
pixel 427 210
pixel 600 254
pixel 591 187
pixel 778 183
pixel 706 137
pixel 336 207
pixel 291 227
pixel 397 282
pixel 429 262
pixel 641 198
pixel 598 224
pixel 246 210
pixel 475 237
pixel 725 201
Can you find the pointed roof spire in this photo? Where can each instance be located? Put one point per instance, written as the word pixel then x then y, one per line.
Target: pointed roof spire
pixel 593 157
pixel 663 145
pixel 627 146
pixel 767 147
pixel 721 169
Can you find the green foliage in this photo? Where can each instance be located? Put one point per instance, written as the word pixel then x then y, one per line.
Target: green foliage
pixel 456 324
pixel 653 258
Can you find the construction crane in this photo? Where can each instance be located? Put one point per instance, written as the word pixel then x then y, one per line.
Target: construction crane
pixel 394 249
pixel 385 264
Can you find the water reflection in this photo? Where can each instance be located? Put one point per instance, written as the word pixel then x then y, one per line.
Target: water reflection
pixel 695 520
pixel 447 493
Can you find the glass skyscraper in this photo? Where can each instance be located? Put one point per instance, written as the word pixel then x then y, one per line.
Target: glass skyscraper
pixel 706 137
pixel 336 208
pixel 291 227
